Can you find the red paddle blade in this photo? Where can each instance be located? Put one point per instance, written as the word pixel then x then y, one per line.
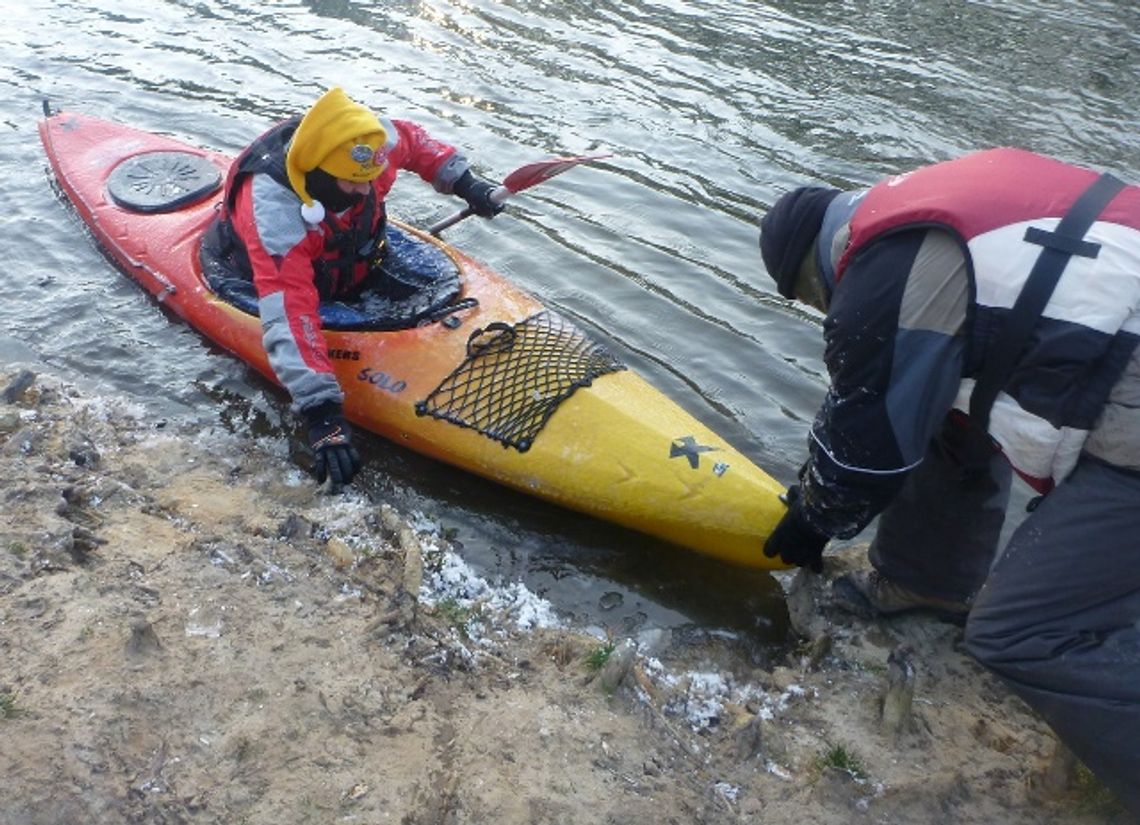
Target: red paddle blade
pixel 527 176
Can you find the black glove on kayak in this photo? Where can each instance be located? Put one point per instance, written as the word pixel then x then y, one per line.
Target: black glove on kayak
pixel 477 193
pixel 794 540
pixel 331 442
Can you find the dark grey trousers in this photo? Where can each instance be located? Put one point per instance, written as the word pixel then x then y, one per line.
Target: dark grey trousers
pixel 1058 615
pixel 1059 620
pixel 940 534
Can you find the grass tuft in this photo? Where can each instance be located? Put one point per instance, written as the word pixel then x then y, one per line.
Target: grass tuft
pixel 458 616
pixel 841 758
pixel 1091 796
pixel 9 706
pixel 598 657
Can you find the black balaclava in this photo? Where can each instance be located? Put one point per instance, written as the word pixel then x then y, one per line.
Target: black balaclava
pixel 788 231
pixel 323 187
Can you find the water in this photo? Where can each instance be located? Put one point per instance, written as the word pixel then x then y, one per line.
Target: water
pixel 712 110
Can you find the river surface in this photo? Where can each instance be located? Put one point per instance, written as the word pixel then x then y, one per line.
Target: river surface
pixel 712 109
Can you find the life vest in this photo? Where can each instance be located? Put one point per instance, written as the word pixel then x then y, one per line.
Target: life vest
pixel 994 201
pixel 350 250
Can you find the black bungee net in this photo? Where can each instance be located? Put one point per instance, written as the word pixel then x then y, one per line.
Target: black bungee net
pixel 515 377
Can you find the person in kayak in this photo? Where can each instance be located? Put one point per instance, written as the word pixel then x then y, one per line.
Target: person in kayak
pixel 303 216
pixel 983 314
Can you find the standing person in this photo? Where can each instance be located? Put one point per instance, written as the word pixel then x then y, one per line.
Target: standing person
pixel 984 313
pixel 304 217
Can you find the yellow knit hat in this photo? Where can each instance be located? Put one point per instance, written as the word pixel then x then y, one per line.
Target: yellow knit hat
pixel 341 137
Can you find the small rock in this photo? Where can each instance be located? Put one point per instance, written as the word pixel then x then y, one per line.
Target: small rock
pixel 804 595
pixel 340 553
pixel 294 527
pixel 9 422
pixel 357 791
pixel 617 666
pixel 652 641
pixel 84 454
pixel 899 693
pixel 816 650
pixel 748 741
pixel 22 442
pixel 17 387
pixel 83 542
pixel 413 568
pixel 1060 771
pixel 35 607
pixel 143 640
pixel 610 600
pixel 390 518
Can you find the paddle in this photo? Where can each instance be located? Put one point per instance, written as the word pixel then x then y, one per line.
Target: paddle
pixel 522 178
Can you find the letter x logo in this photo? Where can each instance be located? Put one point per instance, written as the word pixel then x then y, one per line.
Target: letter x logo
pixel 690 449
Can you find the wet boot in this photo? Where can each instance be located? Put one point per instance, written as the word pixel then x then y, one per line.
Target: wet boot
pixel 869 595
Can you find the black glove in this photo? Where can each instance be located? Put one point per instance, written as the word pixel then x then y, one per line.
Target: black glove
pixel 477 193
pixel 331 441
pixel 794 540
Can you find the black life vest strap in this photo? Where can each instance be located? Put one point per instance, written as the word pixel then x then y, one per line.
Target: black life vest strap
pixel 1060 246
pixel 360 243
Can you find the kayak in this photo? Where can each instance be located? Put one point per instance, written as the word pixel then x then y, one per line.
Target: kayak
pixel 454 361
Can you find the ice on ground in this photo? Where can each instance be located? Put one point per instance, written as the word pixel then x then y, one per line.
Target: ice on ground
pixel 448 578
pixel 700 697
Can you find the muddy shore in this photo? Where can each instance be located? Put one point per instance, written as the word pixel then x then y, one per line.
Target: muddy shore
pixel 192 634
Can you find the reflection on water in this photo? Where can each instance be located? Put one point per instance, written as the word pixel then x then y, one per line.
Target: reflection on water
pixel 712 109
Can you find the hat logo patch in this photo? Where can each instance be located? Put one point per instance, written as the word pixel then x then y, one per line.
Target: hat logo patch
pixel 361 153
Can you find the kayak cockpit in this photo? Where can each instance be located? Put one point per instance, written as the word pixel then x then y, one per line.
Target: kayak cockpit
pixel 416 282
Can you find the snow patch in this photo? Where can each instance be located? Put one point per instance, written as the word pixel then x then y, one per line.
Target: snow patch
pixel 700 697
pixel 449 579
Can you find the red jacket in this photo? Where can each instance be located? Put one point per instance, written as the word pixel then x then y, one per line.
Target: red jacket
pixel 290 259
